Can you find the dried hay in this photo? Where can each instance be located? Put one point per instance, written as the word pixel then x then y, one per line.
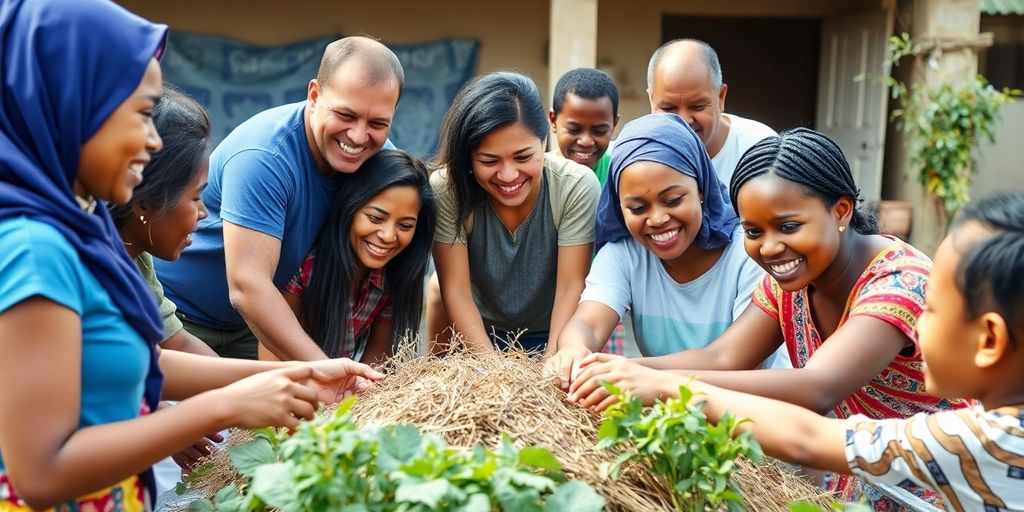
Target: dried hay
pixel 472 399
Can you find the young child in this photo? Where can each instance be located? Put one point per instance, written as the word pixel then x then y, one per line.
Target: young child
pixel 842 298
pixel 167 206
pixel 970 335
pixel 584 114
pixel 672 251
pixel 359 292
pixel 515 227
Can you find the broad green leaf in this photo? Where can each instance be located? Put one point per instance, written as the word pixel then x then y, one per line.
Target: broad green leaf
pixel 513 499
pixel 574 496
pixel 251 455
pixel 200 506
pixel 429 493
pixel 539 458
pixel 478 502
pixel 273 483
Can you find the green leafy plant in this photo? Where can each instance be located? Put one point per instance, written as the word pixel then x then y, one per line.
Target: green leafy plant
pixel 806 506
pixel 675 440
pixel 331 464
pixel 945 125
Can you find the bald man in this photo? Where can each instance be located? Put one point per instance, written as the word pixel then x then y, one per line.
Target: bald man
pixel 685 78
pixel 271 182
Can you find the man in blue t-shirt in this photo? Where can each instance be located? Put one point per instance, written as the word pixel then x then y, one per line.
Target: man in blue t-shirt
pixel 271 183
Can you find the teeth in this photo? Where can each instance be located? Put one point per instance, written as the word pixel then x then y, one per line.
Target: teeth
pixel 786 267
pixel 379 251
pixel 137 167
pixel 666 236
pixel 584 155
pixel 511 189
pixel 352 150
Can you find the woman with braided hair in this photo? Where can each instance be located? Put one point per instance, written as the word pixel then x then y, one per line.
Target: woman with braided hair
pixel 842 298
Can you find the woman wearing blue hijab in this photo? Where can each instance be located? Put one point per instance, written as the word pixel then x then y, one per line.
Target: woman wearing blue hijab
pixel 670 249
pixel 78 363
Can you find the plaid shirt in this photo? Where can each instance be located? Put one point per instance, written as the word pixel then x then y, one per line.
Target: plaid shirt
pixel 372 306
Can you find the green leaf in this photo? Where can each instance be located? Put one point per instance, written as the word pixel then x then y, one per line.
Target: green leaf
pixel 539 458
pixel 200 506
pixel 574 496
pixel 513 499
pixel 478 502
pixel 273 483
pixel 228 500
pixel 251 455
pixel 429 493
pixel 538 482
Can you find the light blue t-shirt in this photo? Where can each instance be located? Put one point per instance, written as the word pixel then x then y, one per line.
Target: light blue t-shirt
pixel 668 316
pixel 262 177
pixel 37 261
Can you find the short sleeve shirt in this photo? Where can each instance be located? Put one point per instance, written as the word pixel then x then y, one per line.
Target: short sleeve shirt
pixel 972 457
pixel 513 273
pixel 262 177
pixel 37 261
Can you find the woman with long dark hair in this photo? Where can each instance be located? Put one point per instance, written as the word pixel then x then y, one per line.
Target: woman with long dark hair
pixel 168 205
pixel 515 226
pixel 360 291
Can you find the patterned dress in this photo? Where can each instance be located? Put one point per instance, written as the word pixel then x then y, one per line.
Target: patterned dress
pixel 891 289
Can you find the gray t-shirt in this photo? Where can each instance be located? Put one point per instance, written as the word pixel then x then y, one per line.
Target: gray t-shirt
pixel 513 274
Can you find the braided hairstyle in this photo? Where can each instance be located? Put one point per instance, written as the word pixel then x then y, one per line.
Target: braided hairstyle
pixel 809 159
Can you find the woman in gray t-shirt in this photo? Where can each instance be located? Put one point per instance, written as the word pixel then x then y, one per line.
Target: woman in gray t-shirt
pixel 515 227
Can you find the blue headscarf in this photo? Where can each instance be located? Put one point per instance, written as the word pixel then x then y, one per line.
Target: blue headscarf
pixel 65 66
pixel 666 139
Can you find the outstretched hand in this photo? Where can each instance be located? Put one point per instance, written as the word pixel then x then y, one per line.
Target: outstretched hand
pixel 645 383
pixel 337 379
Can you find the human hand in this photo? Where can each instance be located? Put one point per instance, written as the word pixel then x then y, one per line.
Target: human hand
pixel 645 383
pixel 337 379
pixel 189 457
pixel 564 365
pixel 274 398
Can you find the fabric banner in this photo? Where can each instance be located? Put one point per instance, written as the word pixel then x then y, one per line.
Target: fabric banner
pixel 235 80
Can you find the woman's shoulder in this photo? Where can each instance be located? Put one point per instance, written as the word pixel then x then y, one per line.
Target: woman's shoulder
pixel 34 237
pixel 899 264
pixel 565 170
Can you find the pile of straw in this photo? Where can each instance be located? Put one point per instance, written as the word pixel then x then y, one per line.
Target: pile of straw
pixel 471 399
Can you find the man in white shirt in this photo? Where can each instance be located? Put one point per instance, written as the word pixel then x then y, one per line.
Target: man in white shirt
pixel 684 77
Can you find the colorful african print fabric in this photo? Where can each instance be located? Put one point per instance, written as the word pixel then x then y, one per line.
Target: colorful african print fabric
pixel 891 289
pixel 126 496
pixel 974 458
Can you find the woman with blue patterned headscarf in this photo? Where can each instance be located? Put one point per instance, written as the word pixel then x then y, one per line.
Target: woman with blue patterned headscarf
pixel 671 251
pixel 78 326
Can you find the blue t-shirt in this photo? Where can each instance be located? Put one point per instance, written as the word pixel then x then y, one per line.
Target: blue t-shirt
pixel 262 177
pixel 668 316
pixel 37 261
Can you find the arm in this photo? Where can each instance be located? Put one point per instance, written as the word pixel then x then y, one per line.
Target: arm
pixel 744 345
pixel 51 460
pixel 784 431
pixel 856 353
pixel 452 262
pixel 184 341
pixel 573 265
pixel 379 346
pixel 251 258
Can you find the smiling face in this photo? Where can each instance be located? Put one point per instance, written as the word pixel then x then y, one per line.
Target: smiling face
pixel 661 207
pixel 169 234
pixel 349 118
pixel 112 160
pixel 789 232
pixel 385 225
pixel 682 85
pixel 583 128
pixel 508 164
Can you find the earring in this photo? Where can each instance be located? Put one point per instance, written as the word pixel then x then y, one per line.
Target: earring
pixel 142 219
pixel 842 229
